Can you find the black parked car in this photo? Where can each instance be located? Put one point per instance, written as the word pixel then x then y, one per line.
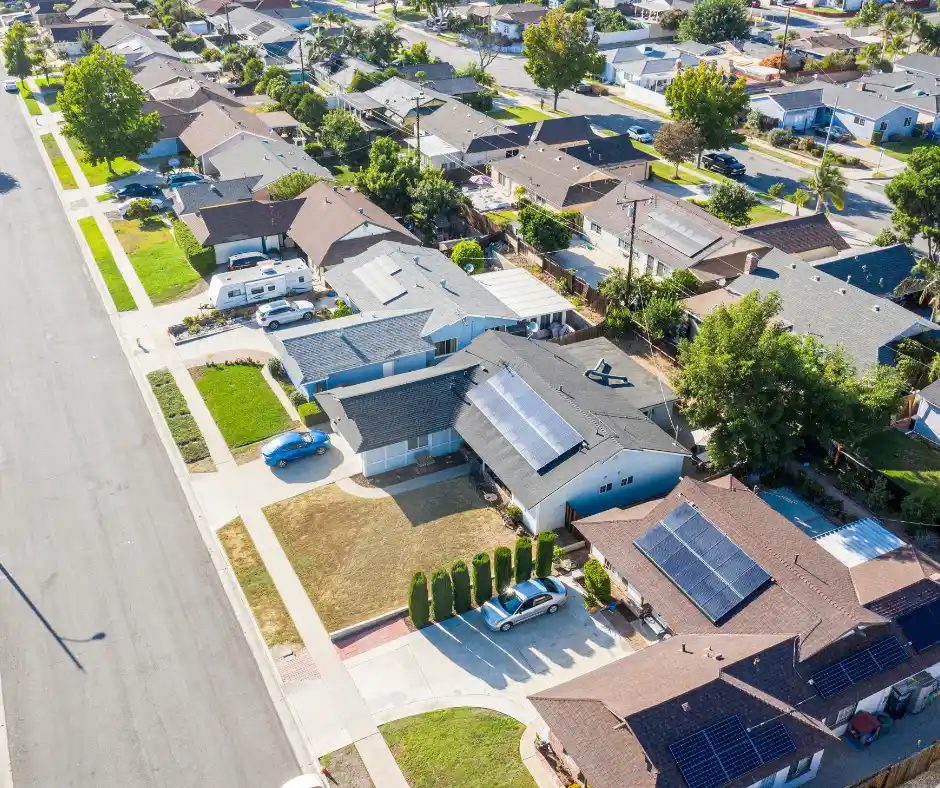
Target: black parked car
pixel 584 89
pixel 836 134
pixel 135 190
pixel 724 164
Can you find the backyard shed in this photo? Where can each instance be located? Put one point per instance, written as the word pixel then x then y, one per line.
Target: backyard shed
pixel 253 285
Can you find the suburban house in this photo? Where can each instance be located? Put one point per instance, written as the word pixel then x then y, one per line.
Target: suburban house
pixel 159 71
pixel 557 437
pixel 243 226
pixel 173 122
pixel 511 21
pixel 647 66
pixel 876 270
pixel 916 91
pixel 654 9
pixel 552 178
pixel 264 159
pixel 273 36
pixel 927 420
pixel 216 7
pixel 617 156
pixel 137 45
pixel 834 311
pixel 557 132
pixel 856 110
pixel 193 197
pixel 65 36
pixel 192 93
pixel 917 63
pixel 431 71
pixel 399 101
pixel 540 307
pixel 762 670
pixel 810 237
pixel 337 224
pixel 671 235
pixel 820 46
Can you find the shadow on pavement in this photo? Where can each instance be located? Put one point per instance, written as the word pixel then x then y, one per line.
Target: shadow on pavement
pixel 8 183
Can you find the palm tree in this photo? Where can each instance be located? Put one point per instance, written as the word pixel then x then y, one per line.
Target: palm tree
pixel 355 38
pixel 926 274
pixel 828 184
pixel 86 40
pixel 799 198
pixel 383 43
pixel 333 19
pixel 319 46
pixel 892 24
pixel 928 37
pixel 898 45
pixel 870 55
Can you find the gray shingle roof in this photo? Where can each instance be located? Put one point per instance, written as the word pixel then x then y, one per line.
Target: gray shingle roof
pixel 314 352
pixel 560 179
pixel 237 221
pixel 558 131
pixel 877 271
pixel 469 130
pixel 462 297
pixel 926 64
pixel 266 160
pixel 458 86
pixel 906 88
pixel 432 71
pixel 192 197
pixel 795 235
pixel 607 152
pixel 848 98
pixel 931 393
pixel 833 311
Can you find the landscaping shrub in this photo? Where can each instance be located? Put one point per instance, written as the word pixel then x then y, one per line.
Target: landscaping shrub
pixel 597 581
pixel 138 209
pixel 514 513
pixel 544 553
pixel 313 149
pixel 502 568
pixel 297 398
pixel 922 506
pixel 482 578
pixel 460 577
pixel 468 252
pixel 442 594
pixel 418 608
pixel 523 558
pixel 311 413
pixel 877 137
pixel 276 368
pixel 183 428
pixel 200 257
pixel 879 496
pixel 780 137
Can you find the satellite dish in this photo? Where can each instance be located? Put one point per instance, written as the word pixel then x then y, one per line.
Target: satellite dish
pixel 468 268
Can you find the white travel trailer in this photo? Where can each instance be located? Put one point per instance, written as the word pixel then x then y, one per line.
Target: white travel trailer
pixel 273 279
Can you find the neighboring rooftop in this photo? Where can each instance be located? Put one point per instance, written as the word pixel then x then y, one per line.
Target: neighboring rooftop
pixel 800 235
pixel 266 160
pixel 562 180
pixel 608 152
pixel 193 197
pixel 916 62
pixel 432 71
pixel 558 131
pixel 878 271
pixel 468 130
pixel 238 221
pixel 522 293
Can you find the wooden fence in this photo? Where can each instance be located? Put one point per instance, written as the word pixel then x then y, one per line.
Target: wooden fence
pixel 898 773
pixel 582 335
pixel 575 284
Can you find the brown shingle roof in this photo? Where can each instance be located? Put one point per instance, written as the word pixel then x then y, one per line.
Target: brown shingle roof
pixel 238 221
pixel 799 234
pixel 217 123
pixel 886 574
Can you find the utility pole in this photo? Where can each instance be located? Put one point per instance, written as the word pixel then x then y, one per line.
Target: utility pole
pixel 631 212
pixel 783 44
pixel 303 76
pixel 418 125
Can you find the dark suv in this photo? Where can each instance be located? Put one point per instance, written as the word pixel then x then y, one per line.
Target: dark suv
pixel 723 163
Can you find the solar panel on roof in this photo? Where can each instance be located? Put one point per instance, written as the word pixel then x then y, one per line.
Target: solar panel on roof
pixel 873 660
pixel 381 283
pixel 720 753
pixel 261 28
pixel 707 566
pixel 524 419
pixel 677 232
pixel 922 626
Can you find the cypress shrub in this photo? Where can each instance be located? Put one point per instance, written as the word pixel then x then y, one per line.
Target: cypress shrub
pixel 544 551
pixel 418 607
pixel 442 592
pixel 597 580
pixel 523 558
pixel 482 578
pixel 502 568
pixel 460 577
pixel 200 257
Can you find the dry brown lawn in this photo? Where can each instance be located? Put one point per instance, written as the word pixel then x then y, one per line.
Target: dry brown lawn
pixel 273 619
pixel 347 769
pixel 355 556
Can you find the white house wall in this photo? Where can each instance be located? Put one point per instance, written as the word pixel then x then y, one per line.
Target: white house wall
pixel 225 250
pixel 397 455
pixel 893 123
pixel 365 230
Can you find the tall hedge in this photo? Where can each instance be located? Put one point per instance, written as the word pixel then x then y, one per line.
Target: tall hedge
pixel 200 257
pixel 502 568
pixel 482 578
pixel 544 552
pixel 523 558
pixel 597 580
pixel 418 607
pixel 442 593
pixel 460 577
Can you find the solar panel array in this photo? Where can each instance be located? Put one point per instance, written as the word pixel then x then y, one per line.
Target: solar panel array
pixel 705 565
pixel 377 277
pixel 261 28
pixel 523 418
pixel 878 658
pixel 722 752
pixel 679 233
pixel 922 626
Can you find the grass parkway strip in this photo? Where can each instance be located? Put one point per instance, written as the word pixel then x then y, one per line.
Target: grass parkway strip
pixel 98 174
pixel 183 427
pixel 117 287
pixel 59 164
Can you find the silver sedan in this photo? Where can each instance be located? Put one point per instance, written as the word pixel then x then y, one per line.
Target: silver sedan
pixel 521 602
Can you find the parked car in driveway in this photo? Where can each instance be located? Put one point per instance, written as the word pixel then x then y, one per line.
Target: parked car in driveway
pixel 724 164
pixel 275 313
pixel 836 134
pixel 179 178
pixel 294 446
pixel 639 134
pixel 246 260
pixel 521 602
pixel 135 190
pixel 9 85
pixel 157 204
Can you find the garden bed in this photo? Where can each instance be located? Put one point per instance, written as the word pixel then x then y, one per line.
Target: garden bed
pixel 186 433
pixel 346 769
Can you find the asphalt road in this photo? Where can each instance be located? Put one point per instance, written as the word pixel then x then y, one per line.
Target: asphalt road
pixel 120 658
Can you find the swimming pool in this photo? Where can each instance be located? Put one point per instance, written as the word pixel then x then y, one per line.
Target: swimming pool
pixel 788 503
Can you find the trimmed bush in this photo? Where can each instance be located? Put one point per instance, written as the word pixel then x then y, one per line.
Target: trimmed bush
pixel 276 368
pixel 200 257
pixel 460 577
pixel 482 578
pixel 418 608
pixel 544 553
pixel 523 558
pixel 514 513
pixel 597 580
pixel 297 398
pixel 877 137
pixel 780 137
pixel 468 253
pixel 310 413
pixel 442 595
pixel 502 568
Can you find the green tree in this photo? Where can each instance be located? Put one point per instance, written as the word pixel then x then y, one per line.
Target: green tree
pixel 679 284
pixel 482 578
pixel 502 568
pixel 597 581
pixel 417 55
pixel 44 56
pixel 86 41
pixel 468 253
pixel 271 73
pixel 616 287
pixel 544 552
pixel 320 46
pixel 291 185
pixel 560 52
pixel 546 230
pixel 711 21
pixel 523 558
pixel 355 39
pixel 460 578
pixel 828 184
pixel 915 195
pixel 611 20
pixel 311 110
pixel 418 608
pixel 341 132
pixel 275 88
pixel 775 191
pixel 102 104
pixel 16 52
pixel 659 316
pixel 677 142
pixel 479 75
pixel 252 71
pixel 799 198
pixel 434 197
pixel 442 595
pixel 731 202
pixel 673 18
pixel 714 103
pixel 892 25
pixel 342 310
pixel 924 275
pixel 868 15
pixel 383 44
pixel 391 175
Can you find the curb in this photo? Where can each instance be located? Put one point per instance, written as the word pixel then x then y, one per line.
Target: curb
pixel 355 629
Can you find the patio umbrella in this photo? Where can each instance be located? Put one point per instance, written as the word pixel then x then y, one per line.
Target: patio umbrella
pixel 481 180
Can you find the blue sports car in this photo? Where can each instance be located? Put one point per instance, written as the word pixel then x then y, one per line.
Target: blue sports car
pixel 294 446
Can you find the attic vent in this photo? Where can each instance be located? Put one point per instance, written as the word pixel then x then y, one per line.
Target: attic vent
pixel 793 266
pixel 815 277
pixel 876 308
pixel 842 291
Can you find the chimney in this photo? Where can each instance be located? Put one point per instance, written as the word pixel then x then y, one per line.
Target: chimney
pixel 750 263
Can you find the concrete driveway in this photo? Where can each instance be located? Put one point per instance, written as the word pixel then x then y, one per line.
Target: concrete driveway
pixel 461 658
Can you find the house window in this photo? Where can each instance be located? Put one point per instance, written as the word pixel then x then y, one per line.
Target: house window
pixel 502 179
pixel 623 243
pixel 557 316
pixel 858 121
pixel 445 347
pixel 321 386
pixel 662 270
pixel 232 293
pixel 604 488
pixel 595 227
pixel 257 290
pixel 625 482
pixel 908 121
pixel 800 768
pixel 843 716
pixel 768 781
pixel 883 126
pixel 650 263
pixel 300 279
pixel 271 288
pixel 420 442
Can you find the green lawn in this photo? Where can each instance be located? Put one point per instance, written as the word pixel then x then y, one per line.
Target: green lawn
pixel 901 149
pixel 242 403
pixel 405 15
pixel 910 461
pixel 507 91
pixel 104 197
pixel 665 171
pixel 163 270
pixel 519 114
pixel 344 174
pixel 59 164
pixel 459 748
pixel 186 433
pixel 117 287
pixel 766 213
pixel 775 154
pixel 98 174
pixel 503 216
pixel 31 104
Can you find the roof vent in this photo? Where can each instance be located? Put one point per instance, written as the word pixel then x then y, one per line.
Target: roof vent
pixel 793 266
pixel 842 291
pixel 686 707
pixel 558 158
pixel 576 167
pixel 815 277
pixel 415 259
pixel 444 283
pixel 336 188
pixel 541 150
pixel 876 308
